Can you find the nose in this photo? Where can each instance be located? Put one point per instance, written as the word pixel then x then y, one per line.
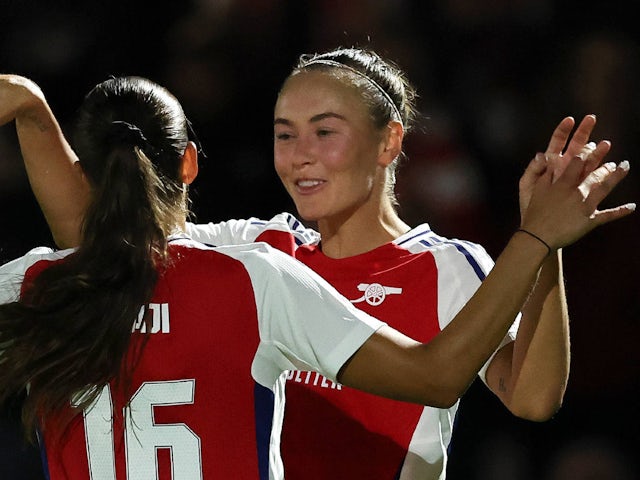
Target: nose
pixel 304 152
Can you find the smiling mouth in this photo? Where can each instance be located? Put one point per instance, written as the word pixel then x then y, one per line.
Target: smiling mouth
pixel 306 184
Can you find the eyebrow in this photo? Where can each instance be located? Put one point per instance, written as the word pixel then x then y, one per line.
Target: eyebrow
pixel 315 118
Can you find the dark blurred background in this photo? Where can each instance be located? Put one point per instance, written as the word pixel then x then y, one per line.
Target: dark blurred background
pixel 494 78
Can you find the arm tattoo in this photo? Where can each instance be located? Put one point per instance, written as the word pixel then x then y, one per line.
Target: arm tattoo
pixel 502 385
pixel 41 125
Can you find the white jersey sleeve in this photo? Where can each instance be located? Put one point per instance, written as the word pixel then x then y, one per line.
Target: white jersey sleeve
pixel 304 323
pixel 462 266
pixel 12 273
pixel 237 232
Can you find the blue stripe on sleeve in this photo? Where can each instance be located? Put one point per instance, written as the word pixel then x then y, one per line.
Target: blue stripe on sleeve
pixel 462 249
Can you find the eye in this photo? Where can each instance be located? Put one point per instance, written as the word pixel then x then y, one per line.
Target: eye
pixel 323 132
pixel 282 136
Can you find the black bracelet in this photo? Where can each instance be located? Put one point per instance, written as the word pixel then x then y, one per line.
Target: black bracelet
pixel 537 238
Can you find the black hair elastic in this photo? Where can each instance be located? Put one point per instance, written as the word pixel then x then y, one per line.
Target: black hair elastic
pixel 125 133
pixel 537 238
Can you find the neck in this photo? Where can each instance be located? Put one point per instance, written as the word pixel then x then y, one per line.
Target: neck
pixel 360 232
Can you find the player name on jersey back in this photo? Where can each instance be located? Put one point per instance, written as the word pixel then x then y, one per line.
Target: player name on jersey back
pixel 159 320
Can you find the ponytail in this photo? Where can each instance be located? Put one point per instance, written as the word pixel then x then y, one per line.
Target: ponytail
pixel 70 332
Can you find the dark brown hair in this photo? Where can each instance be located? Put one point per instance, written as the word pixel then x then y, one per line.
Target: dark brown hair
pixel 70 332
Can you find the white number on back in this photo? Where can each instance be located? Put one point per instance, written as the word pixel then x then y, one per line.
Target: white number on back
pixel 143 437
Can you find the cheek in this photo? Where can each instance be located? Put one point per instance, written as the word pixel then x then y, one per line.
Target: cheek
pixel 337 156
pixel 279 162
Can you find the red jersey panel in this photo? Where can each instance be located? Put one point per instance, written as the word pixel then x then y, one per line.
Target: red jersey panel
pixel 206 393
pixel 192 388
pixel 382 428
pixel 417 284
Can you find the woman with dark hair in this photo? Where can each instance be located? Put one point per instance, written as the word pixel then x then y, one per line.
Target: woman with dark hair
pixel 143 341
pixel 153 335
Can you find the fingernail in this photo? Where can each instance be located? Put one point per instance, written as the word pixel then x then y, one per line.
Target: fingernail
pixel 630 206
pixel 540 157
pixel 610 166
pixel 624 165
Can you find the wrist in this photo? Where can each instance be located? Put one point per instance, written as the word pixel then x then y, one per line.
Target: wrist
pixel 540 241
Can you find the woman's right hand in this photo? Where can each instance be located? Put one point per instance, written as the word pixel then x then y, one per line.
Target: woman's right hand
pixel 561 210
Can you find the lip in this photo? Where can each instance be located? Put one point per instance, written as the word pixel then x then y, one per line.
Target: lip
pixel 308 186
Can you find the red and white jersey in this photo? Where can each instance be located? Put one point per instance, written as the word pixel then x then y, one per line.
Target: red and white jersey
pixel 207 392
pixel 416 284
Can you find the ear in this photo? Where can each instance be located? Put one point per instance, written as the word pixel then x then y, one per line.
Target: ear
pixel 189 165
pixel 391 145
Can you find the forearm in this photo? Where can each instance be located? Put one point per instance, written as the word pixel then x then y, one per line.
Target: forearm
pixel 439 372
pixel 540 360
pixel 56 181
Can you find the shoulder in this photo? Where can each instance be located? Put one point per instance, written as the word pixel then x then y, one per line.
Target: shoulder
pixel 13 273
pixel 33 256
pixel 252 229
pixel 288 224
pixel 303 235
pixel 252 254
pixel 423 239
pixel 258 254
pixel 226 232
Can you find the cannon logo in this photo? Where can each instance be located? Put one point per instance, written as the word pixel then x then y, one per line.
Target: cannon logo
pixel 374 293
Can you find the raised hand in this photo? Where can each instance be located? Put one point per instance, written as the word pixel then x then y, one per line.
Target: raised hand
pixel 557 157
pixel 563 210
pixel 579 146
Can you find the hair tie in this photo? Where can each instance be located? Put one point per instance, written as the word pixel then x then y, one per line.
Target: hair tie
pixel 125 133
pixel 537 238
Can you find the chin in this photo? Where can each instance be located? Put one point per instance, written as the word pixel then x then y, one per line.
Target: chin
pixel 309 214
